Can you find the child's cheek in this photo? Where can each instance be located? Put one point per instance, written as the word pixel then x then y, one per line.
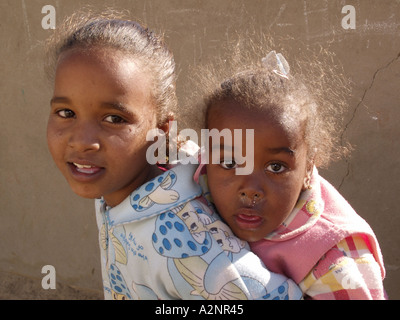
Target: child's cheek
pixel 220 185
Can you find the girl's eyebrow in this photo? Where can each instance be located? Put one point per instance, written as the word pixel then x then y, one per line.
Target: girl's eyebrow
pixel 119 107
pixel 59 100
pixel 282 149
pixel 221 146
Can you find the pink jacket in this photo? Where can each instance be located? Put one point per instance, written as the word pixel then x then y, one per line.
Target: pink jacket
pixel 321 220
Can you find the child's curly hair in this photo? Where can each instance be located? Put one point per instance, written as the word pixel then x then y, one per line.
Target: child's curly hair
pixel 314 95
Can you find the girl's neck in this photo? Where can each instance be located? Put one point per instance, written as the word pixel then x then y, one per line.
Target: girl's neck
pixel 115 199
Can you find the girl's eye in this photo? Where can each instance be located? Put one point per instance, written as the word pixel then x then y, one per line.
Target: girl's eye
pixel 228 164
pixel 66 113
pixel 276 168
pixel 114 119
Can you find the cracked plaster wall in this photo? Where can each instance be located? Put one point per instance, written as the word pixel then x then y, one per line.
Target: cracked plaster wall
pixel 44 223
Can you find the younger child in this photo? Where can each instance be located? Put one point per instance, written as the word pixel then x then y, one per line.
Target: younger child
pixel 295 221
pixel 115 82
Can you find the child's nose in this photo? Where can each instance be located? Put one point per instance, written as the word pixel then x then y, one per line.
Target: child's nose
pixel 85 137
pixel 250 197
pixel 252 191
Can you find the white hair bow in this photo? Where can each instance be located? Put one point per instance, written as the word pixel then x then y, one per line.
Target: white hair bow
pixel 277 63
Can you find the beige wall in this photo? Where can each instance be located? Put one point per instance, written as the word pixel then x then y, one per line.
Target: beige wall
pixel 43 223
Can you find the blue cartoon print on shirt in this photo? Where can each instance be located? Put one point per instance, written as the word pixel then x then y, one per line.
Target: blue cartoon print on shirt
pixel 158 192
pixel 195 243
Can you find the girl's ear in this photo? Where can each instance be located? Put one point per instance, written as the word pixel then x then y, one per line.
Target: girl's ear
pixel 307 178
pixel 165 126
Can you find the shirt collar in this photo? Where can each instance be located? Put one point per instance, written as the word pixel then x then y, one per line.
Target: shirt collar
pixel 166 191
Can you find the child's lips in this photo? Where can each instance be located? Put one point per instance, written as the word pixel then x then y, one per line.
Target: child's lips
pixel 248 219
pixel 84 171
pixel 84 168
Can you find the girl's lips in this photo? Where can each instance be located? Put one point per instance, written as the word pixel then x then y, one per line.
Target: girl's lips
pixel 248 220
pixel 88 169
pixel 84 172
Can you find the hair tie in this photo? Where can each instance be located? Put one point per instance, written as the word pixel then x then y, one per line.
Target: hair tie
pixel 277 63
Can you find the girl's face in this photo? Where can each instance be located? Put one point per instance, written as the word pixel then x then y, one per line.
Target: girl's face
pixel 254 205
pixel 100 114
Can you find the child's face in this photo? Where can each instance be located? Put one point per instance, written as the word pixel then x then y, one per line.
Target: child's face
pixel 254 205
pixel 100 114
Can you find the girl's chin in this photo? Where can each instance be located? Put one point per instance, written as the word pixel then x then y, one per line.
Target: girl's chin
pixel 87 194
pixel 248 235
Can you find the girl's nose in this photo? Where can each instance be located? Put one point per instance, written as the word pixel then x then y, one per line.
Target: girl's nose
pixel 84 137
pixel 250 198
pixel 251 192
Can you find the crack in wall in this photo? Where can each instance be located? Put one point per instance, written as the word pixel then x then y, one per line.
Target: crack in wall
pixel 356 109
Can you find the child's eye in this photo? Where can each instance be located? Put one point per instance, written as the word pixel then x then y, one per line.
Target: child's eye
pixel 228 164
pixel 276 168
pixel 66 113
pixel 114 119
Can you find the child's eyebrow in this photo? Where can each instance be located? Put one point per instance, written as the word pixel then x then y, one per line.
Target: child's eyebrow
pixel 282 149
pixel 221 146
pixel 59 100
pixel 119 107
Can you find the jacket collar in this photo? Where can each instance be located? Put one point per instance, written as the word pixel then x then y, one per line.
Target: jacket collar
pixel 305 213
